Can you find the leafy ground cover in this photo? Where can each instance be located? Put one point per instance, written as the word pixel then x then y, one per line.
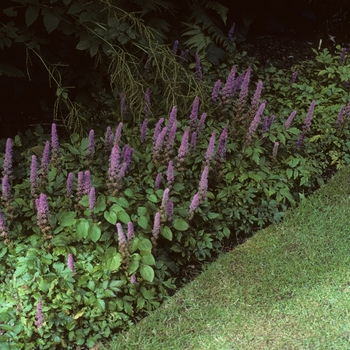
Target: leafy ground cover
pixel 285 288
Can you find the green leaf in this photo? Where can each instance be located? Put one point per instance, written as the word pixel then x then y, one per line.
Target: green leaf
pixel 289 173
pixel 147 258
pixel 50 22
pixel 152 198
pixel 114 262
pixel 83 45
pixel 122 202
pixel 100 203
pixel 31 15
pixel 134 264
pixel 124 217
pixel 166 233
pixel 147 273
pixel 180 224
pixel 82 229
pixel 144 244
pixel 141 211
pixel 10 11
pixel 95 233
pixel 142 222
pixel 111 217
pixel 68 219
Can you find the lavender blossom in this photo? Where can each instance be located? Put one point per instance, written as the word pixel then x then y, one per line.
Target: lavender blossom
pixel 6 190
pixel 172 117
pixel 114 164
pixel 193 141
pixel 118 133
pixel 294 77
pixel 254 124
pixel 210 150
pixel 300 140
pixel 170 174
pixel 270 122
pixel 227 91
pixel 43 214
pixel 156 228
pixel 122 104
pixel 39 315
pixel 290 119
pixel 4 231
pixel 147 107
pixel 264 125
pixel 198 67
pixel 231 31
pixel 109 138
pixel 342 56
pixel 165 199
pixel 80 185
pixel 7 166
pixel 201 123
pixel 194 113
pixel 340 116
pixel 308 119
pixel 175 47
pixel 70 263
pixel 133 279
pixel 144 131
pixel 221 151
pixel 91 147
pixel 122 171
pixel 183 150
pixel 169 209
pixel 157 130
pixel 216 90
pixel 121 235
pixel 130 234
pixel 159 143
pixel 34 176
pixel 45 160
pixel 157 181
pixel 244 90
pixel 203 184
pixel 194 205
pixel 171 136
pixel 87 182
pixel 127 155
pixel 54 140
pixel 69 185
pixel 255 101
pixel 275 149
pixel 92 199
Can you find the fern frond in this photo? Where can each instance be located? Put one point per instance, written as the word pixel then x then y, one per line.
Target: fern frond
pixel 220 9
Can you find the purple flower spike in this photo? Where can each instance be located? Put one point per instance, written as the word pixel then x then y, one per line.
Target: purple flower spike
pixel 71 263
pixel 91 148
pixel 171 136
pixel 294 77
pixel 198 67
pixel 157 130
pixel 87 182
pixel 300 140
pixel 264 125
pixel 194 113
pixel 156 227
pixel 172 117
pixel 210 150
pixel 43 213
pixel 80 185
pixel 157 181
pixel 308 119
pixel 203 184
pixel 6 189
pixel 228 90
pixel 133 279
pixel 271 120
pixel 216 90
pixel 221 151
pixel 342 56
pixel 193 141
pixel 275 149
pixel 39 315
pixel 201 123
pixel 92 199
pixel 194 205
pixel 34 175
pixel 183 150
pixel 175 47
pixel 290 119
pixel 109 138
pixel 170 174
pixel 45 159
pixel 254 124
pixel 231 31
pixel 130 234
pixel 114 164
pixel 4 231
pixel 54 139
pixel 244 90
pixel 159 143
pixel 70 184
pixel 8 159
pixel 255 101
pixel 144 130
pixel 340 116
pixel 118 134
pixel 121 235
pixel 165 198
pixel 169 209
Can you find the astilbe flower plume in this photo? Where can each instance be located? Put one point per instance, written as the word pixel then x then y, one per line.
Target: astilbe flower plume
pixel 156 229
pixel 193 141
pixel 203 184
pixel 123 246
pixel 7 166
pixel 156 153
pixel 216 90
pixel 254 124
pixel 210 150
pixel 43 214
pixel 143 130
pixel 157 130
pixel 91 147
pixel 194 205
pixel 169 210
pixel 270 122
pixel 69 187
pixel 45 160
pixel 201 123
pixel 194 114
pixel 87 182
pixel 170 174
pixel 165 200
pixel 289 120
pixel 80 186
pixel 275 150
pixel 4 231
pixel 70 262
pixel 199 73
pixel 242 99
pixel 294 77
pixel 183 150
pixel 221 151
pixel 255 100
pixel 109 138
pixel 130 234
pixel 34 177
pixel 54 142
pixel 264 124
pixel 92 199
pixel 306 125
pixel 227 91
pixel 6 191
pixel 175 47
pixel 157 181
pixel 39 315
pixel 118 133
pixel 342 55
pixel 340 116
pixel 127 155
pixel 231 31
pixel 171 132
